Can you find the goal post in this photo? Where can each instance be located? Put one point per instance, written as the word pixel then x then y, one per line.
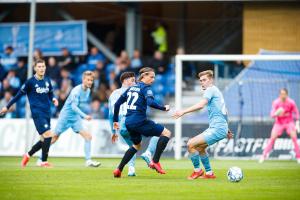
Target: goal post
pixel 179 59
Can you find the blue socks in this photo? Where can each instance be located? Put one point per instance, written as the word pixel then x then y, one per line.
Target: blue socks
pixel 87 149
pixel 152 145
pixel 195 158
pixel 205 162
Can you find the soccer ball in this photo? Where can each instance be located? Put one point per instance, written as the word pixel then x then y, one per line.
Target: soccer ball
pixel 235 174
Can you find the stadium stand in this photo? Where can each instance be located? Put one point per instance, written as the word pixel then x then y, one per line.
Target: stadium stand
pixel 65 76
pixel 258 85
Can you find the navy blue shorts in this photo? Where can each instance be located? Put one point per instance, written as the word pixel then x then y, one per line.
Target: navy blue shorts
pixel 42 124
pixel 147 129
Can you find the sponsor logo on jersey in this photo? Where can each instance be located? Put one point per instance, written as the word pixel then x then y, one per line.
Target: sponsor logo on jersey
pixel 42 90
pixel 136 89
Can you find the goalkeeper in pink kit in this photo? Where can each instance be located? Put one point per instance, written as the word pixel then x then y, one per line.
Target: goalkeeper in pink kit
pixel 284 111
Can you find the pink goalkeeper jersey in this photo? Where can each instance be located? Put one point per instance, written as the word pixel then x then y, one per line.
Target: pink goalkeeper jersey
pixel 289 107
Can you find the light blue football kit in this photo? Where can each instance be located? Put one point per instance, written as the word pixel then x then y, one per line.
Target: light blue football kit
pixel 218 125
pixel 217 114
pixel 71 115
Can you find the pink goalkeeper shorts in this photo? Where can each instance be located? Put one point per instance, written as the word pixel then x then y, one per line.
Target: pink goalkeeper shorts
pixel 288 127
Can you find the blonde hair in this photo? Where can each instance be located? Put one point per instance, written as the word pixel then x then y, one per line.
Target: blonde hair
pixel 88 73
pixel 209 73
pixel 145 71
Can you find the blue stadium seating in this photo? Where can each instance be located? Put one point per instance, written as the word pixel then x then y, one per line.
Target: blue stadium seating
pixel 258 85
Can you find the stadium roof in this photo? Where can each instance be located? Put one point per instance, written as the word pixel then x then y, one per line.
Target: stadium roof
pixel 120 1
pixel 82 1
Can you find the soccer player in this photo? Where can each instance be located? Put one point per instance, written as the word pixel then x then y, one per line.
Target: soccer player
pixel 217 130
pixel 71 115
pixel 283 109
pixel 138 97
pixel 40 95
pixel 128 79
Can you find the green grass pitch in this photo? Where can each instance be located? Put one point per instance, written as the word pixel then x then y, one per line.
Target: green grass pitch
pixel 69 179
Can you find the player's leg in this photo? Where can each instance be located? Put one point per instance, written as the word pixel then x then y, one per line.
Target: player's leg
pixel 199 143
pixel 47 135
pixel 131 164
pixel 195 145
pixel 35 148
pixel 291 130
pixel 61 126
pixel 161 144
pixel 147 155
pixel 149 129
pixel 87 149
pixel 42 125
pixel 136 139
pixel 206 163
pixel 55 138
pixel 276 131
pixel 210 137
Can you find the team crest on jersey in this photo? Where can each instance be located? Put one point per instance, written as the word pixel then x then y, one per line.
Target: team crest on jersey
pixel 47 84
pixel 149 93
pixel 46 125
pixel 36 85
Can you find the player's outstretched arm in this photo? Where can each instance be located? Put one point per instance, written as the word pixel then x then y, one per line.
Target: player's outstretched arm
pixel 153 104
pixel 193 108
pixel 5 109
